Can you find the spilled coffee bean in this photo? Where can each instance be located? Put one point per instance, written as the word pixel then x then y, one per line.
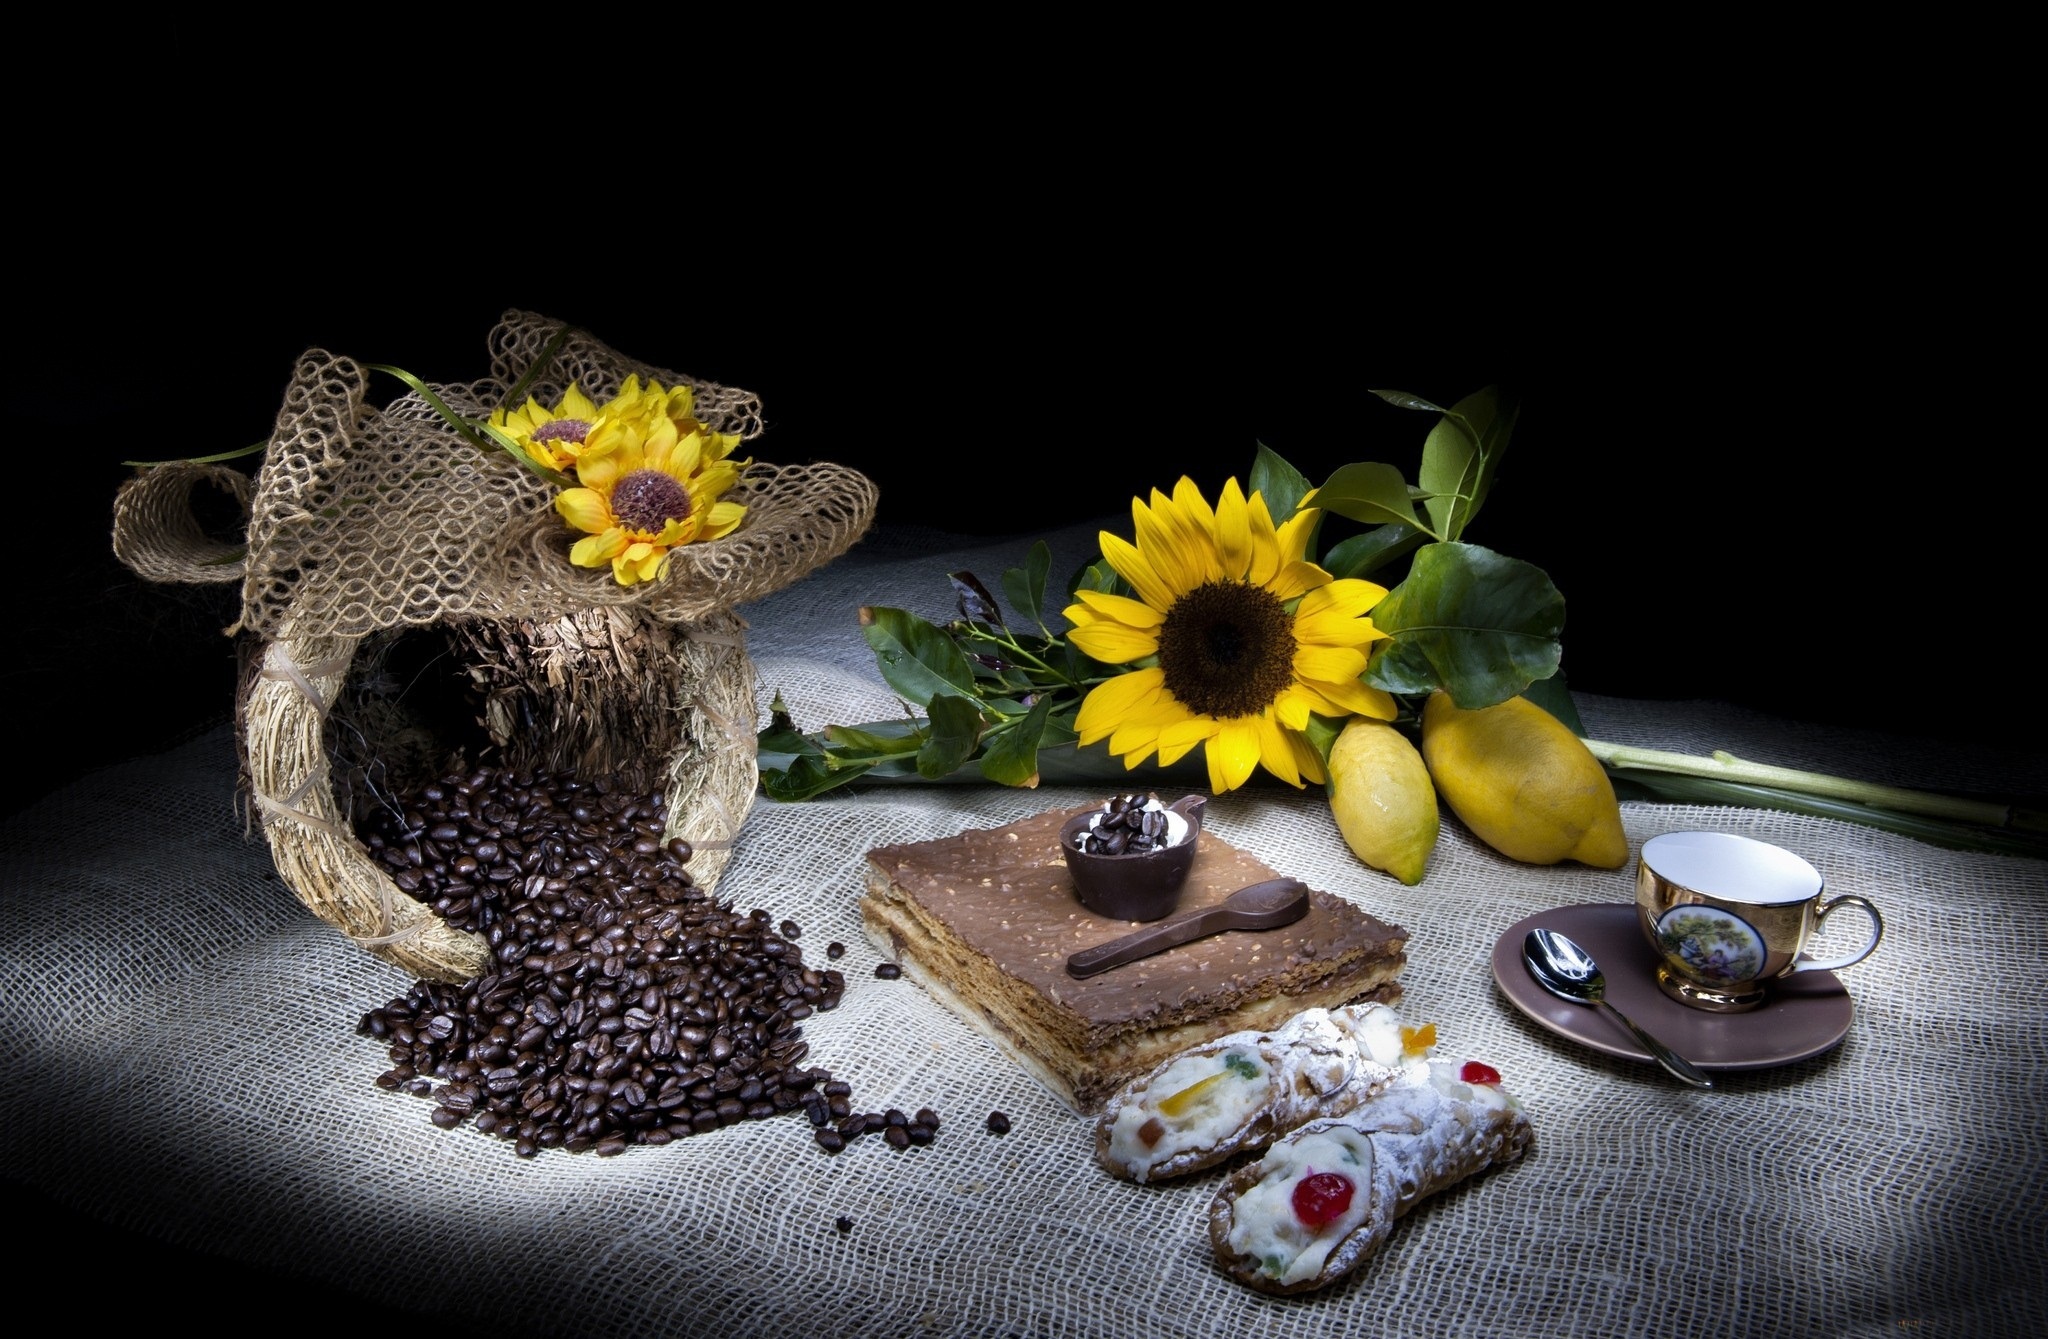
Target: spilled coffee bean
pixel 626 1006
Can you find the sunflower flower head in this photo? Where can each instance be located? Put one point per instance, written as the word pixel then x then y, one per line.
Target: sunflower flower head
pixel 646 487
pixel 1232 640
pixel 554 437
pixel 638 406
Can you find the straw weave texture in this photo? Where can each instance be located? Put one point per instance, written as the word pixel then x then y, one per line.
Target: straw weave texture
pixel 179 1056
pixel 364 522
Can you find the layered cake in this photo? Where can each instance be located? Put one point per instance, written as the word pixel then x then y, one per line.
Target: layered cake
pixel 986 919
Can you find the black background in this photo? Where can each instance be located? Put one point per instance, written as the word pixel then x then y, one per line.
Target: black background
pixel 1767 480
pixel 1792 495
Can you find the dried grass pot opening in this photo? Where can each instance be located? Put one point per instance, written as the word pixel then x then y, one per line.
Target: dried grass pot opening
pixel 409 612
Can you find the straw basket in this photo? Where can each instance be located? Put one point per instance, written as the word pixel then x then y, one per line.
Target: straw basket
pixel 409 610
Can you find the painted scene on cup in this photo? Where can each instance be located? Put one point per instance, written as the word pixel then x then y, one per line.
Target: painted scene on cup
pixel 1715 946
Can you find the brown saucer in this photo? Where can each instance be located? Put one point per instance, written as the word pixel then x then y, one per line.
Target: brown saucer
pixel 1805 1015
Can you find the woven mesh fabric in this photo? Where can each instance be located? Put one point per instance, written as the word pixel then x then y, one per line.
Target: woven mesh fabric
pixel 179 1056
pixel 364 520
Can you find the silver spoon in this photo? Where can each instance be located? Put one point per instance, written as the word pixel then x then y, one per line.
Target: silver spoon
pixel 1569 972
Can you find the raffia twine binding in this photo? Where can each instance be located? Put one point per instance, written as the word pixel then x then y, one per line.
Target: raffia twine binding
pixel 367 528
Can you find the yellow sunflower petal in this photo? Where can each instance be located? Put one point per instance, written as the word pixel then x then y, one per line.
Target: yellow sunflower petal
pixel 1347 697
pixel 1294 533
pixel 585 509
pixel 722 520
pixel 1183 561
pixel 1347 598
pixel 598 550
pixel 1233 532
pixel 1233 753
pixel 713 481
pixel 1114 643
pixel 1114 700
pixel 1265 547
pixel 1327 662
pixel 1134 567
pixel 1277 753
pixel 602 470
pixel 1297 578
pixel 1307 761
pixel 575 404
pixel 1129 612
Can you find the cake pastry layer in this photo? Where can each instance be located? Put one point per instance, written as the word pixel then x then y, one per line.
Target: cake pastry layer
pixel 986 919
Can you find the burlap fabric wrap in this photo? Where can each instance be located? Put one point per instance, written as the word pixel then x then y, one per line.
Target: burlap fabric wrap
pixel 366 524
pixel 178 1055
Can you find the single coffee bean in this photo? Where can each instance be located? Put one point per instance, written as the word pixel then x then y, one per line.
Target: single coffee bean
pixel 888 971
pixel 998 1123
pixel 835 949
pixel 843 1223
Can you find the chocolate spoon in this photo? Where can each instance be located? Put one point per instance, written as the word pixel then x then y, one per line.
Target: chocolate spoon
pixel 1260 906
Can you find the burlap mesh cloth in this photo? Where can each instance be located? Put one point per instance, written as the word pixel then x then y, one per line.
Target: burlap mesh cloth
pixel 180 1056
pixel 366 521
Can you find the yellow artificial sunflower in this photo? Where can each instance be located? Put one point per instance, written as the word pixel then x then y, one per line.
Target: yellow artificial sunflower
pixel 649 489
pixel 554 437
pixel 637 406
pixel 1233 640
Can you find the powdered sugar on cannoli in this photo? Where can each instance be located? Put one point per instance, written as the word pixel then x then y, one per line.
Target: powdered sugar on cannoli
pixel 1325 1197
pixel 1239 1092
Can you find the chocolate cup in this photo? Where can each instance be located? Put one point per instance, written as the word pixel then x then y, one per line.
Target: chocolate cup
pixel 1137 885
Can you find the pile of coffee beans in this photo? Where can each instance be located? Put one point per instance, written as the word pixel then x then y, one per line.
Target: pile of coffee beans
pixel 626 1005
pixel 1129 823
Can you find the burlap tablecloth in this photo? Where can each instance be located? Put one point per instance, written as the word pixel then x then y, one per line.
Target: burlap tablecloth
pixel 180 1058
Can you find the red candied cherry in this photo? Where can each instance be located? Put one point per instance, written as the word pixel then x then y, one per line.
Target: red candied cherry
pixel 1474 1072
pixel 1320 1198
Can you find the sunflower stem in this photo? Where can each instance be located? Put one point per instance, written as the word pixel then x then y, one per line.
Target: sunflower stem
pixel 1724 766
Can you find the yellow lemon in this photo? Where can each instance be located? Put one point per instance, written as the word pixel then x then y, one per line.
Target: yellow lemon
pixel 1382 798
pixel 1523 782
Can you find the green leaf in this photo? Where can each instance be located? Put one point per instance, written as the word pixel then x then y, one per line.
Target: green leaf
pixel 1368 492
pixel 806 778
pixel 1025 586
pixel 1461 456
pixel 955 731
pixel 1477 624
pixel 1321 733
pixel 917 659
pixel 1406 401
pixel 1282 485
pixel 1553 696
pixel 201 460
pixel 1100 576
pixel 851 741
pixel 1012 756
pixel 1363 554
pixel 549 351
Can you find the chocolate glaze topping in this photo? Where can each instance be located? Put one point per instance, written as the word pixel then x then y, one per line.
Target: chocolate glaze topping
pixel 1006 894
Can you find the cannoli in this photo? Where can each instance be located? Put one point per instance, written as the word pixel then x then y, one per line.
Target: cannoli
pixel 1324 1198
pixel 1241 1091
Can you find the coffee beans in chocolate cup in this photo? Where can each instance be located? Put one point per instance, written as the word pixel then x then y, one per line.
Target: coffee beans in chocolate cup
pixel 1130 857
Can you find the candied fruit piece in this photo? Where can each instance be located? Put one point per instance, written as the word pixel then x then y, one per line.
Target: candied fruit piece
pixel 1178 1103
pixel 1320 1198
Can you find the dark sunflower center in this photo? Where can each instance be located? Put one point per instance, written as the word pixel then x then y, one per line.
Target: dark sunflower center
pixel 1227 649
pixel 648 500
pixel 562 430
